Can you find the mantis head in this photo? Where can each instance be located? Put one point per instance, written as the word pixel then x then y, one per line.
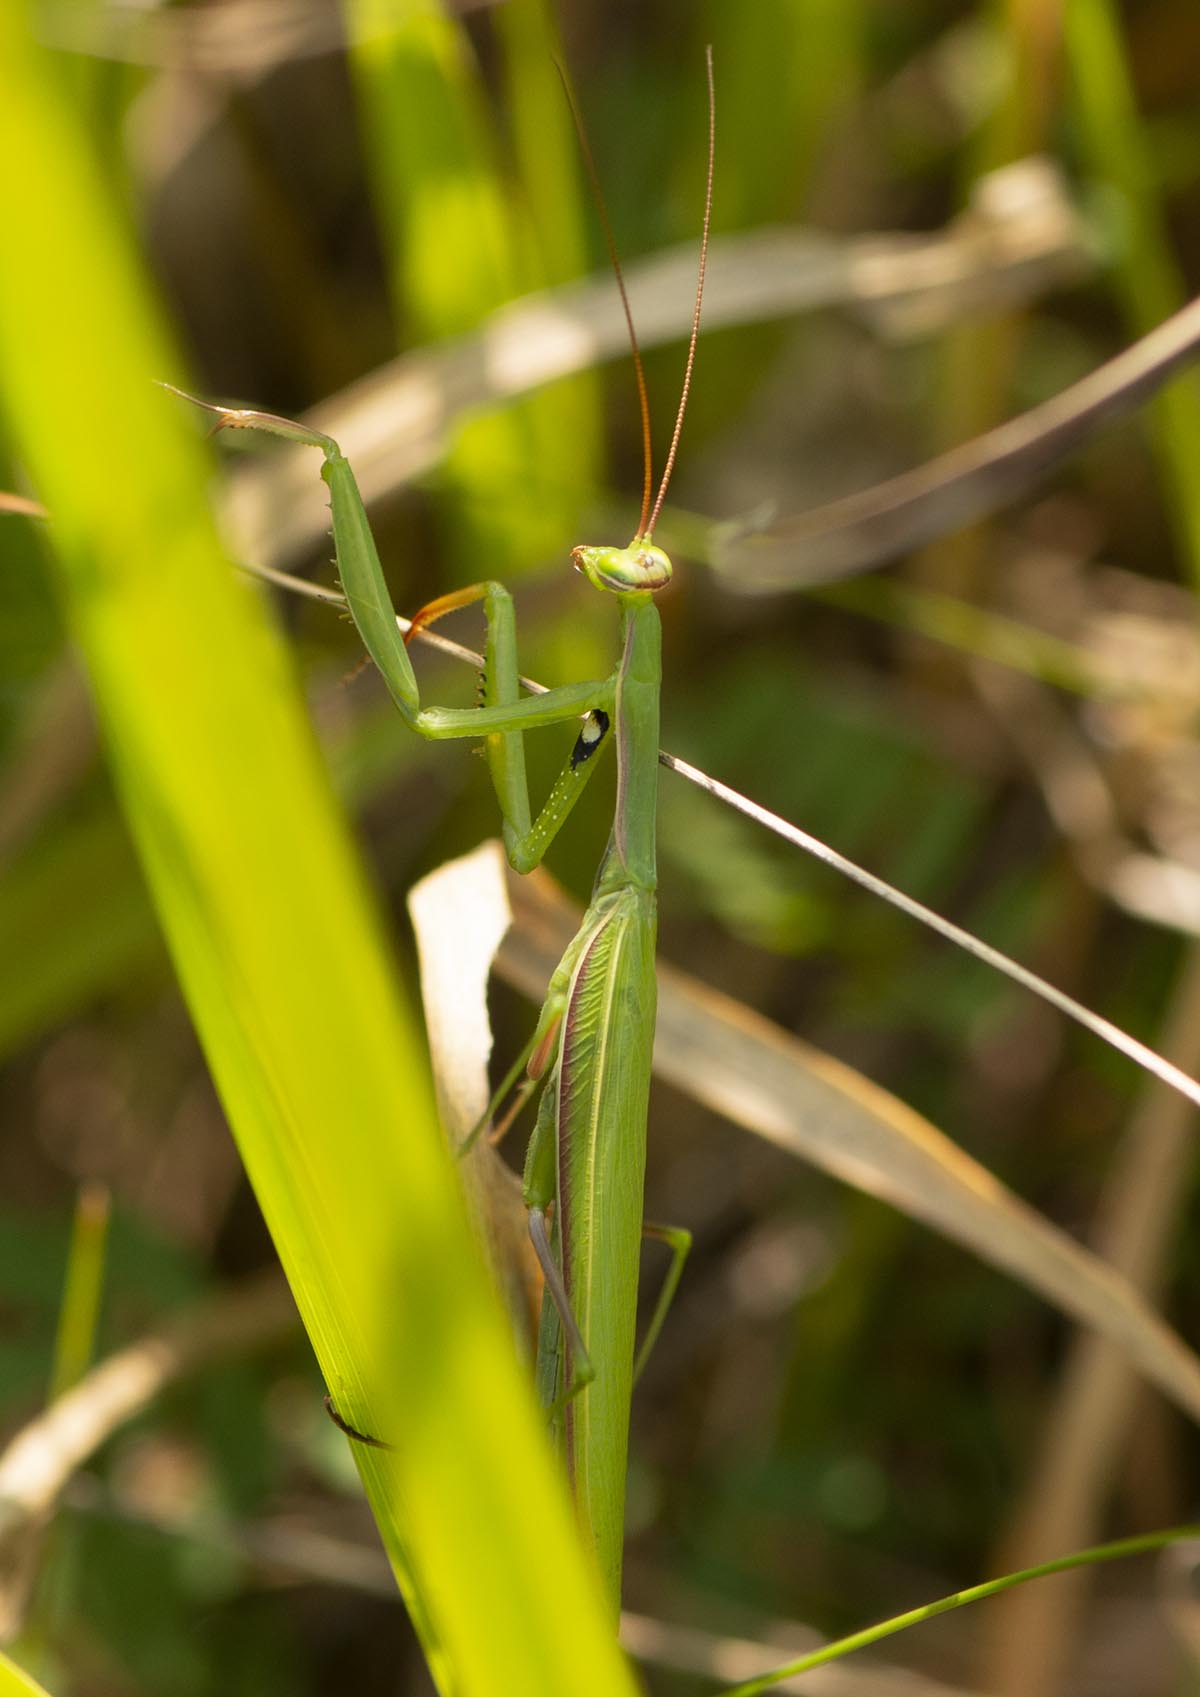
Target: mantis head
pixel 624 571
pixel 641 567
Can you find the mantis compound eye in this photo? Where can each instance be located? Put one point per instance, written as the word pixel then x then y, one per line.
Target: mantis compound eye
pixel 624 571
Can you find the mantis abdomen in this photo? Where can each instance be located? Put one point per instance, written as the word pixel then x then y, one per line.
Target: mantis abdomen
pixel 602 1087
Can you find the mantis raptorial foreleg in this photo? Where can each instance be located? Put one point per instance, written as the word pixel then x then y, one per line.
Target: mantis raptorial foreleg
pixel 525 840
pixel 504 715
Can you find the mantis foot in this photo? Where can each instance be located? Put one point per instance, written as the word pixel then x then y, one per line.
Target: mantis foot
pixel 352 1431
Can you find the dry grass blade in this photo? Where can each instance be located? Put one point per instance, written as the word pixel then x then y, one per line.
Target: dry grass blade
pixel 245 39
pixel 770 1083
pixel 21 505
pixel 862 531
pixel 1116 1038
pixel 1030 1632
pixel 41 1458
pixel 393 425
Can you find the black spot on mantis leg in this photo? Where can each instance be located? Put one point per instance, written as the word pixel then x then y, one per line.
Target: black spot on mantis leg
pixel 595 729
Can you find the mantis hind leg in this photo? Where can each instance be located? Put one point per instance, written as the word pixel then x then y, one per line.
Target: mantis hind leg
pixel 559 1312
pixel 557 1317
pixel 679 1241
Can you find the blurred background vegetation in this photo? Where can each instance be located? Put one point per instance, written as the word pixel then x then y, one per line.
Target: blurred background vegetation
pixel 846 1414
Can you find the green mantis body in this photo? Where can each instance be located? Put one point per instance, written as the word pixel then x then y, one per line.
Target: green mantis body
pixel 594 1039
pixel 588 1150
pixel 593 1042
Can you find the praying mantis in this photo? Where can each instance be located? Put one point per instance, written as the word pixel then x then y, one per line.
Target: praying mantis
pixel 591 1048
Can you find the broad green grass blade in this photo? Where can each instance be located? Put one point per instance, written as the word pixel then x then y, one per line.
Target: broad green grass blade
pixel 15 1682
pixel 274 938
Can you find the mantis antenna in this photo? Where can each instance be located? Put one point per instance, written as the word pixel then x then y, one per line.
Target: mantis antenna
pixel 649 515
pixel 647 529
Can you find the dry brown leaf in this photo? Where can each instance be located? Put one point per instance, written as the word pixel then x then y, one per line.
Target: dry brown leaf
pixel 459 914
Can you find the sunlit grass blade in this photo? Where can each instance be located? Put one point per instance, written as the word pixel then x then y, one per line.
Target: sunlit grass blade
pixel 15 1682
pixel 274 939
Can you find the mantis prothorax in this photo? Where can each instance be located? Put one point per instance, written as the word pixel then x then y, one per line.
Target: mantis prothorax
pixel 592 1045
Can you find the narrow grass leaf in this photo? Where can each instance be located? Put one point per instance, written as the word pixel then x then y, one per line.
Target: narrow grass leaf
pixel 834 1652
